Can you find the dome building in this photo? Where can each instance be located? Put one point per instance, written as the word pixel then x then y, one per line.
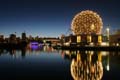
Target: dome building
pixel 86 27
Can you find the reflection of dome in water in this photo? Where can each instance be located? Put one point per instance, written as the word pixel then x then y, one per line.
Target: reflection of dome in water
pixel 86 71
pixel 86 22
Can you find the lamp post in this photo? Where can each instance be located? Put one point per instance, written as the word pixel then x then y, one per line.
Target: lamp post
pixel 108 34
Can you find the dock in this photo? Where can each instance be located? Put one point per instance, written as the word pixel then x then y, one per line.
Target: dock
pixel 91 48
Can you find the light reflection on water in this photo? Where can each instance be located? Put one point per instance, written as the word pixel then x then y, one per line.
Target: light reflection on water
pixel 94 65
pixel 44 62
pixel 87 69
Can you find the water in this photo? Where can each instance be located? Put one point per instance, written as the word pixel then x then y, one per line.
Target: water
pixel 40 63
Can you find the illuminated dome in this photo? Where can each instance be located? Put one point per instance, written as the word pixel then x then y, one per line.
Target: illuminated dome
pixel 86 22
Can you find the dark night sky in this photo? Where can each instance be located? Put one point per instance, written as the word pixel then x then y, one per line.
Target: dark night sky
pixel 52 17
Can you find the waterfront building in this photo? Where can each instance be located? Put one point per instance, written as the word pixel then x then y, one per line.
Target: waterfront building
pixel 23 35
pixel 115 38
pixel 1 38
pixel 86 27
pixel 12 39
pixel 82 39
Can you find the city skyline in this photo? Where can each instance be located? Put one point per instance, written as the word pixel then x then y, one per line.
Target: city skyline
pixel 51 18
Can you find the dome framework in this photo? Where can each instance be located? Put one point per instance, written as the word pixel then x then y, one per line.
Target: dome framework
pixel 86 22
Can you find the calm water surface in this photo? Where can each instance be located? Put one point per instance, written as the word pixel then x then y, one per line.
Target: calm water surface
pixel 46 63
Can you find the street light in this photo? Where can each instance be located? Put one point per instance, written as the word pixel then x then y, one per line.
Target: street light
pixel 108 34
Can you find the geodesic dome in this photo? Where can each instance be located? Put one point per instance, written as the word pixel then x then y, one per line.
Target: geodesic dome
pixel 86 22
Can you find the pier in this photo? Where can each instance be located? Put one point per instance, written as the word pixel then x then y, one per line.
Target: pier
pixel 91 48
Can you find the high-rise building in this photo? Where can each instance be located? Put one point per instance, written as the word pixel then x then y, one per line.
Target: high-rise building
pixel 24 36
pixel 1 38
pixel 12 38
